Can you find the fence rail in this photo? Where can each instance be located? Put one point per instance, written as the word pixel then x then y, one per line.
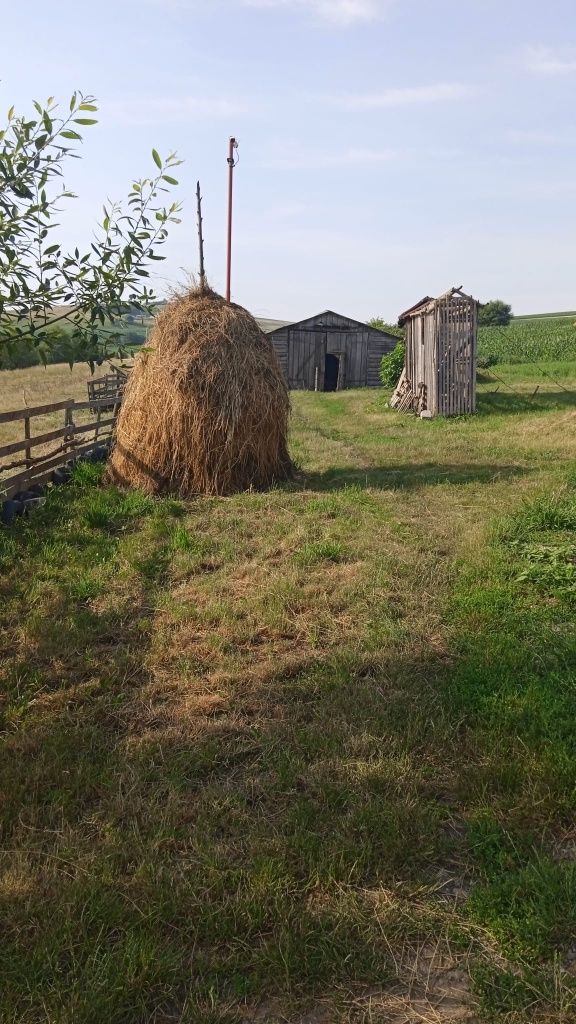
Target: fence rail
pixel 32 470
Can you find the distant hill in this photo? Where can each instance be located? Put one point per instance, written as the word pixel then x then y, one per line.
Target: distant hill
pixel 546 316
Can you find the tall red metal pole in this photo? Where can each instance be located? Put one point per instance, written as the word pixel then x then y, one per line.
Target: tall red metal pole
pixel 231 163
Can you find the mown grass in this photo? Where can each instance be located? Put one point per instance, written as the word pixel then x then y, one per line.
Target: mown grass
pixel 261 755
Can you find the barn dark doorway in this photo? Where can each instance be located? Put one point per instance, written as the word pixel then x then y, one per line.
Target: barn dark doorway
pixel 331 371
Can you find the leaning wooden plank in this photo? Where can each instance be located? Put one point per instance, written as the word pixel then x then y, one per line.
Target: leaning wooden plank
pixel 39 460
pixel 400 389
pixel 39 410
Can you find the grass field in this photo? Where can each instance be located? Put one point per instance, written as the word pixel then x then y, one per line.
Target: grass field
pixel 306 755
pixel 39 385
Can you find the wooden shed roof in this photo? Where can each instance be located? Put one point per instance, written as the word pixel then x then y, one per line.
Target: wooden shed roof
pixel 279 325
pixel 428 302
pixel 414 309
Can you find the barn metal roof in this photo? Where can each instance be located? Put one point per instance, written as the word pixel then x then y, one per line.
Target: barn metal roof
pixel 268 326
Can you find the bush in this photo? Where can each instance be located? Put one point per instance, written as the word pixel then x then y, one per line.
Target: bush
pixel 392 365
pixel 485 362
pixel 494 314
pixel 56 346
pixel 59 346
pixel 383 325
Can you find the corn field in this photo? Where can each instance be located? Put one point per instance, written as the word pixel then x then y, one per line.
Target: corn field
pixel 529 341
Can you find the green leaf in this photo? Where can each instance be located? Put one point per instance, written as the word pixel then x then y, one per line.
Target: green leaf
pixel 171 181
pixel 51 249
pixel 85 120
pixel 11 113
pixel 87 106
pixel 69 134
pixel 73 101
pixel 156 158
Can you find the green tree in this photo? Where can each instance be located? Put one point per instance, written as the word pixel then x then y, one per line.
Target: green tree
pixel 41 285
pixel 388 328
pixel 495 314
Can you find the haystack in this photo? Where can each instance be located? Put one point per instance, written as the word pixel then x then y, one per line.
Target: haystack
pixel 206 408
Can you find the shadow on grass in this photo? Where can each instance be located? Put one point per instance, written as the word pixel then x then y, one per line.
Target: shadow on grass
pixel 409 476
pixel 176 842
pixel 504 402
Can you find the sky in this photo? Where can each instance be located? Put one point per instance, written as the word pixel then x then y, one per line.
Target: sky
pixel 387 148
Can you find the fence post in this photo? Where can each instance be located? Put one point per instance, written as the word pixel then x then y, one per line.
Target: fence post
pixel 69 427
pixel 27 456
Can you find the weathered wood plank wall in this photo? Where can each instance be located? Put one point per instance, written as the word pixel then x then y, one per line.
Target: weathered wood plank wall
pixel 441 338
pixel 302 348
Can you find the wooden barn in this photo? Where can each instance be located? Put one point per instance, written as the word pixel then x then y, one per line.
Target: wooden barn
pixel 328 352
pixel 439 376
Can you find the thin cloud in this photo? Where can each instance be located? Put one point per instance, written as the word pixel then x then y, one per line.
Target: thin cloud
pixel 521 137
pixel 339 12
pixel 299 158
pixel 542 60
pixel 175 109
pixel 342 13
pixel 403 97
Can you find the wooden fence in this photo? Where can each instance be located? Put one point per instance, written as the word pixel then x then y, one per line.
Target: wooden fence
pixel 28 470
pixel 108 387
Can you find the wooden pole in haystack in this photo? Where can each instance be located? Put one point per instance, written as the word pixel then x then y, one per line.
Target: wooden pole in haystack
pixel 200 238
pixel 233 145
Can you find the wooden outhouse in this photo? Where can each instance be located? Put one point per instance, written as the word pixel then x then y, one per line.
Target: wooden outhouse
pixel 328 352
pixel 439 373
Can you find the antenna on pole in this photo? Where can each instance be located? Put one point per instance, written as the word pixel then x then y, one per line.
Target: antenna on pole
pixel 232 161
pixel 200 238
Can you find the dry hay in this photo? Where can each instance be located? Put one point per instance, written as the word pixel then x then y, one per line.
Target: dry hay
pixel 206 407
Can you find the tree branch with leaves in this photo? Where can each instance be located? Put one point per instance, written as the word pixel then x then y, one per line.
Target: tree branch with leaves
pixel 42 285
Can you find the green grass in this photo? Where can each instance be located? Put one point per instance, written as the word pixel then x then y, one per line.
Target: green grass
pixel 309 752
